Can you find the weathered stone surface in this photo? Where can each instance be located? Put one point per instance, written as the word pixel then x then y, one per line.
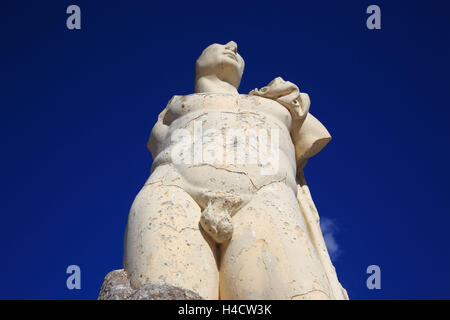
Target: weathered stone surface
pixel 116 286
pixel 164 292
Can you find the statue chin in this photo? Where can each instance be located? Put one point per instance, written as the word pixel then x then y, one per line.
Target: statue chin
pixel 227 196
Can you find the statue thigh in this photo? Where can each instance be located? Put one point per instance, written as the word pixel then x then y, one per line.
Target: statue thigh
pixel 164 245
pixel 270 255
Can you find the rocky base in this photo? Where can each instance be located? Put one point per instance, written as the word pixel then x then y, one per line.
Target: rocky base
pixel 116 286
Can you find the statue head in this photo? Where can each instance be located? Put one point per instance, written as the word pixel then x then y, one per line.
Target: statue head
pixel 219 68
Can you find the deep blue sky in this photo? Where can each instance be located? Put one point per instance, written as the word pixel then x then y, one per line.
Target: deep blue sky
pixel 77 108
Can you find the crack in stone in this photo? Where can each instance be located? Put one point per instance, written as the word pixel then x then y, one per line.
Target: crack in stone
pixel 193 119
pixel 228 170
pixel 308 292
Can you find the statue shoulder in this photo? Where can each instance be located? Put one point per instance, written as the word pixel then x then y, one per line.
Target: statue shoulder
pixel 312 137
pixel 178 100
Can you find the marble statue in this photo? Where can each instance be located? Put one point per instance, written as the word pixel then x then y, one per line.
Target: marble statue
pixel 226 212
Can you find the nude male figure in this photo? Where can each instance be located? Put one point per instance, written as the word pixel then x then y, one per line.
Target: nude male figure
pixel 227 229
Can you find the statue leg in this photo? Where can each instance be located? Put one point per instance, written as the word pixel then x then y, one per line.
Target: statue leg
pixel 270 255
pixel 164 245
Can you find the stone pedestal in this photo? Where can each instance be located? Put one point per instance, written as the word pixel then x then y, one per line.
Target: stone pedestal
pixel 116 286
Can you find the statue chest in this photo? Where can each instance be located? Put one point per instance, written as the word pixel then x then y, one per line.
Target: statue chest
pixel 240 111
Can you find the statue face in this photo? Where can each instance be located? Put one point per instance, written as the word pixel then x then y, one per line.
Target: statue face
pixel 223 61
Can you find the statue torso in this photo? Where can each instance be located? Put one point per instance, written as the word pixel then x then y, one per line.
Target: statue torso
pixel 224 150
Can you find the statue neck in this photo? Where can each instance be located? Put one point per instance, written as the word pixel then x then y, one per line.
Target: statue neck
pixel 214 85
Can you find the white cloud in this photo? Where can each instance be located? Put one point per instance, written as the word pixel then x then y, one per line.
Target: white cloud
pixel 329 230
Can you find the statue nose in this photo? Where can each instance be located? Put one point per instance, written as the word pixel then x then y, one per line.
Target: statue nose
pixel 232 46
